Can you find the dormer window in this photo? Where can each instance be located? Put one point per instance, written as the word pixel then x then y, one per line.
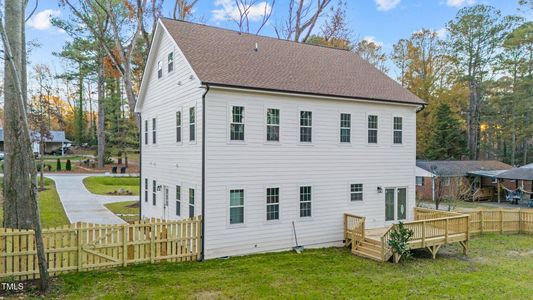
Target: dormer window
pixel 170 62
pixel 159 69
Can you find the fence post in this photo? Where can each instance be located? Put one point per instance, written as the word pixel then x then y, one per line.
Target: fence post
pixel 125 245
pixel 79 241
pixel 480 222
pixel 501 220
pixel 152 243
pixel 446 231
pixel 520 221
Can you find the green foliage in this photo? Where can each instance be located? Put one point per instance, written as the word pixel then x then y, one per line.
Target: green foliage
pixel 399 241
pixel 68 166
pixel 58 165
pixel 447 140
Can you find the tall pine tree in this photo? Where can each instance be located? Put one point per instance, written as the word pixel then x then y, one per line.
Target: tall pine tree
pixel 446 141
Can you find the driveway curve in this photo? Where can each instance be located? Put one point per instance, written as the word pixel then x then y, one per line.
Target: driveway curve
pixel 83 206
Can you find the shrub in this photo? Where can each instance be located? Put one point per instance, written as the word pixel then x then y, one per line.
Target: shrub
pixel 399 241
pixel 58 165
pixel 68 166
pixel 49 167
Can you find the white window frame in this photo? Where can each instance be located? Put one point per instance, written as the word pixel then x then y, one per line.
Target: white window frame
pixel 242 122
pixel 349 128
pixel 357 192
pixel 394 130
pixel 193 203
pixel 272 204
pixel 154 192
pixel 178 197
pixel 300 127
pixel 154 131
pixel 159 69
pixel 192 124
pixel 170 61
pixel 300 202
pixel 368 129
pixel 146 189
pixel 243 206
pixel 146 131
pixel 268 125
pixel 179 127
pixel 416 181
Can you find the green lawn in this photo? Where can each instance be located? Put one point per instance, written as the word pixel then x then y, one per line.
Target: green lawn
pixel 103 185
pixel 52 213
pixel 497 267
pixel 124 210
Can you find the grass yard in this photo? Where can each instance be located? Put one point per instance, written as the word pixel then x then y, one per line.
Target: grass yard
pixel 52 212
pixel 127 211
pixel 498 266
pixel 104 185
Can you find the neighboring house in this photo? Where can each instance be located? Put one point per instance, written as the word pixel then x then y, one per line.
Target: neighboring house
pixel 443 179
pixel 254 133
pixel 55 143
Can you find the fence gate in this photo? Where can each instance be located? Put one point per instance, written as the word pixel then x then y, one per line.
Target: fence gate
pixel 101 245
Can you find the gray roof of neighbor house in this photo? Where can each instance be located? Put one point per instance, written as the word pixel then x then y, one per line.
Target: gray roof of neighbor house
pixel 523 173
pixel 56 136
pixel 229 58
pixel 460 167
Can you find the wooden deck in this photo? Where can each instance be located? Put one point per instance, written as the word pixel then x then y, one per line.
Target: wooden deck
pixel 431 229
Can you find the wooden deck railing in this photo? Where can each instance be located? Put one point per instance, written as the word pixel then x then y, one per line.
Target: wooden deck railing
pixel 501 221
pixel 426 213
pixel 354 229
pixel 82 246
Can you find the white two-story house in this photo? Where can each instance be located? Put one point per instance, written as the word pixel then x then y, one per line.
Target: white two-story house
pixel 254 133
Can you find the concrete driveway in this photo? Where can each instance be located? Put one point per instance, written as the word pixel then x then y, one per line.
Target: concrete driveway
pixel 81 205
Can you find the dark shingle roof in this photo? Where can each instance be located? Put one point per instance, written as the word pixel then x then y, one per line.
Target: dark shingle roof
pixel 225 57
pixel 517 174
pixel 460 167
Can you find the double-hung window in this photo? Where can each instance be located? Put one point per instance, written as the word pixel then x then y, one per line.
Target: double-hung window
pixel 153 130
pixel 346 125
pixel 237 123
pixel 154 192
pixel 178 200
pixel 372 129
pixel 192 124
pixel 356 192
pixel 397 130
pixel 236 206
pixel 170 62
pixel 191 203
pixel 305 201
pixel 178 126
pixel 272 125
pixel 146 132
pixel 272 204
pixel 306 129
pixel 159 69
pixel 146 190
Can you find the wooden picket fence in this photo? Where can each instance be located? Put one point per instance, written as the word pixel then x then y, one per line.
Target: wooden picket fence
pixel 501 221
pixel 83 246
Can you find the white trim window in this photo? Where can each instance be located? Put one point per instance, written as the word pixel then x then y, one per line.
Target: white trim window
pixel 192 123
pixel 419 180
pixel 159 69
pixel 170 62
pixel 305 201
pixel 154 192
pixel 306 126
pixel 272 119
pixel 178 200
pixel 236 207
pixel 146 190
pixel 356 192
pixel 178 126
pixel 191 203
pixel 272 204
pixel 237 123
pixel 146 131
pixel 346 125
pixel 372 129
pixel 154 133
pixel 398 130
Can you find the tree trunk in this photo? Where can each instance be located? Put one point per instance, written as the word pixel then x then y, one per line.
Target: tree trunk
pixel 19 191
pixel 473 121
pixel 101 112
pixel 41 158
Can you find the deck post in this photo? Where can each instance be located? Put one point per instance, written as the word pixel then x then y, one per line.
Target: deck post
pixel 423 233
pixel 382 248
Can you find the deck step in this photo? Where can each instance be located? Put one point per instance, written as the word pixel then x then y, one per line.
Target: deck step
pixel 366 244
pixel 372 251
pixel 367 255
